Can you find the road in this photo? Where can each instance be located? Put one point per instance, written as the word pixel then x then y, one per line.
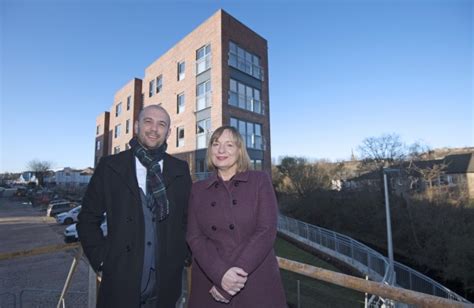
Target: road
pixel 36 281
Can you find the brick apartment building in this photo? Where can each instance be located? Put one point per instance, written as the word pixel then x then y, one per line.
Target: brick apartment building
pixel 217 75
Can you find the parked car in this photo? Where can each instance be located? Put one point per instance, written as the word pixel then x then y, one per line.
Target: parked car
pixel 69 217
pixel 60 207
pixel 70 234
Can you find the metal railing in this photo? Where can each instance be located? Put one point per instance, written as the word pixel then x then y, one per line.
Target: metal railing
pixel 77 299
pixel 362 258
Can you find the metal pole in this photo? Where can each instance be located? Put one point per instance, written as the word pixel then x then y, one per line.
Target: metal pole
pixel 298 293
pixel 72 270
pixel 389 228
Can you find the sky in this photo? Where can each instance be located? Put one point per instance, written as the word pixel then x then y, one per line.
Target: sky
pixel 339 71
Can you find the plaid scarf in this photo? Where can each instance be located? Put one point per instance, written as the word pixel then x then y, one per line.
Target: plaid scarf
pixel 155 184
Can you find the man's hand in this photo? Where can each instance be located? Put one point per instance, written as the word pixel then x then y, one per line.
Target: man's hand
pixel 234 280
pixel 217 296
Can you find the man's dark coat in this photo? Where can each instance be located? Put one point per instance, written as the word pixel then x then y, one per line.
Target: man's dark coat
pixel 114 190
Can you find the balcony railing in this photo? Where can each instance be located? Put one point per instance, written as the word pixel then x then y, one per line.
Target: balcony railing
pixel 203 64
pixel 203 101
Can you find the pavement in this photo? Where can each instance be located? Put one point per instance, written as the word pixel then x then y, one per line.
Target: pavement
pixel 36 281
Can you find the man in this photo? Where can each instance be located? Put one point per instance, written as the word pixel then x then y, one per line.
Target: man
pixel 144 193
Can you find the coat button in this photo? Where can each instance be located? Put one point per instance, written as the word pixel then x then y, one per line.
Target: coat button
pixel 236 184
pixel 128 248
pixel 231 226
pixel 129 219
pixel 148 243
pixel 234 202
pixel 213 203
pixel 214 228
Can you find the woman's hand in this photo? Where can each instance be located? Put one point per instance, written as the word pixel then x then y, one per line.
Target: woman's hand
pixel 217 296
pixel 234 280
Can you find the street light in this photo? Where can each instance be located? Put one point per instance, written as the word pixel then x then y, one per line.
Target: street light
pixel 389 224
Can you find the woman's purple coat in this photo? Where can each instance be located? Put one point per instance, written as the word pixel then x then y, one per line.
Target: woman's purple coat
pixel 233 224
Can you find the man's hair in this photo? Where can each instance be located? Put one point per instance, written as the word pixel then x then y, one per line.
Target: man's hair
pixel 157 107
pixel 243 160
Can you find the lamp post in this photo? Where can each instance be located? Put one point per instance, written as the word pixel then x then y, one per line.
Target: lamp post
pixel 389 223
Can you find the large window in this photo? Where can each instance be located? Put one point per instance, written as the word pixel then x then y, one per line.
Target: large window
pixel 117 130
pixel 180 136
pixel 129 102
pixel 97 145
pixel 118 109
pixel 97 131
pixel 181 67
pixel 245 97
pixel 203 59
pixel 251 133
pixel 256 164
pixel 245 61
pixel 203 128
pixel 203 95
pixel 180 103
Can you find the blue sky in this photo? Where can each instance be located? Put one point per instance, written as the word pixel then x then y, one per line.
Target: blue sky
pixel 340 71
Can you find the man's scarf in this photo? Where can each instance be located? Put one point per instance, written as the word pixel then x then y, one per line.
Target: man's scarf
pixel 155 184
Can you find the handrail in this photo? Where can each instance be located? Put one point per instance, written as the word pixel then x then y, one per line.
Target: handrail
pixel 357 255
pixel 37 251
pixel 377 288
pixel 398 294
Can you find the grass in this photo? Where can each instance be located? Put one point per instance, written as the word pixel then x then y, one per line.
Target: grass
pixel 313 293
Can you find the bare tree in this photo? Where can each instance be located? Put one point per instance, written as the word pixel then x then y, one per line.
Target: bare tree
pixel 40 168
pixel 419 151
pixel 383 150
pixel 429 175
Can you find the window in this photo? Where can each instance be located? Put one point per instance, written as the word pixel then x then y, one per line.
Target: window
pixel 117 149
pixel 181 67
pixel 203 95
pixel 245 61
pixel 245 97
pixel 180 103
pixel 117 130
pixel 159 84
pixel 118 109
pixel 127 146
pixel 180 136
pixel 201 165
pixel 129 102
pixel 127 126
pixel 151 89
pixel 256 164
pixel 203 59
pixel 203 129
pixel 251 133
pixel 97 131
pixel 97 147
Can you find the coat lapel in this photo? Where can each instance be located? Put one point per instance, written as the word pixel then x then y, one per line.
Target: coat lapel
pixel 170 170
pixel 124 166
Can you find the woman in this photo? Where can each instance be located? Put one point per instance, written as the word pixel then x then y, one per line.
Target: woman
pixel 231 231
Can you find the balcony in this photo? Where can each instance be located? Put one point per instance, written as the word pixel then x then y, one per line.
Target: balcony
pixel 203 64
pixel 203 101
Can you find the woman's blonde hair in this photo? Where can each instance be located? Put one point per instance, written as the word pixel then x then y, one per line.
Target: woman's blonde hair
pixel 243 160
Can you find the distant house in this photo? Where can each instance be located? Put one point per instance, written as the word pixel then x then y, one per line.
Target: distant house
pixel 70 178
pixel 25 178
pixel 457 173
